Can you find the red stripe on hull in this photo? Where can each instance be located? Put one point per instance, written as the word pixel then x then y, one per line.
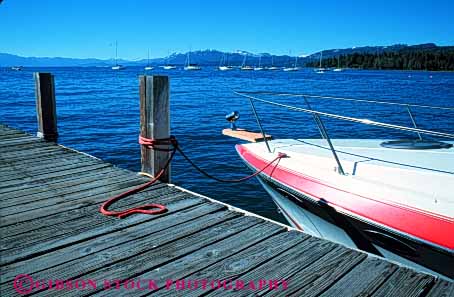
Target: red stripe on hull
pixel 430 228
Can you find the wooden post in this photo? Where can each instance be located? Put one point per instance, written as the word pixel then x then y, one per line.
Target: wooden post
pixel 155 122
pixel 45 106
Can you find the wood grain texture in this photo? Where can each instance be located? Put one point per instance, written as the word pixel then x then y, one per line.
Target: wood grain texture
pixel 405 282
pixel 441 288
pixel 363 279
pixel 155 122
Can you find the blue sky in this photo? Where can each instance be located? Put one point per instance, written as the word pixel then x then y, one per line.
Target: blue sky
pixel 85 28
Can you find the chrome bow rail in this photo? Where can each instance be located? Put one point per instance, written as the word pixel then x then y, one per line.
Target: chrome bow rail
pixel 252 96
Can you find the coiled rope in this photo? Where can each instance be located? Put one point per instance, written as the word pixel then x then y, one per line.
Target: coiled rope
pixel 153 208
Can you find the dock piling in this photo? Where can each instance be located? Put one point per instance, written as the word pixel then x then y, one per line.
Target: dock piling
pixel 45 106
pixel 155 122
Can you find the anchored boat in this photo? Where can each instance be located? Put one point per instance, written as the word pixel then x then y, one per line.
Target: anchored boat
pixel 393 198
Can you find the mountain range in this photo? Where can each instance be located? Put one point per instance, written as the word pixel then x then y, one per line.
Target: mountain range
pixel 208 57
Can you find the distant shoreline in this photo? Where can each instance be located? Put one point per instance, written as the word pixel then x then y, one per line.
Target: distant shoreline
pixel 8 68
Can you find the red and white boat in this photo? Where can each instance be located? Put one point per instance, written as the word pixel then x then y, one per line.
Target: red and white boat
pixel 391 198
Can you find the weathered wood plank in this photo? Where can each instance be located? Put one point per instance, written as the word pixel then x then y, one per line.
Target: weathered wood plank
pixel 126 235
pixel 160 193
pixel 68 171
pixel 228 232
pixel 66 206
pixel 28 237
pixel 36 185
pixel 442 288
pixel 284 266
pixel 108 226
pixel 30 164
pixel 61 186
pixel 99 264
pixel 321 274
pixel 363 279
pixel 60 166
pixel 229 263
pixel 32 202
pixel 405 282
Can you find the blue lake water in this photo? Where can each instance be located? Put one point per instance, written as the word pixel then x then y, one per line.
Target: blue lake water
pixel 98 113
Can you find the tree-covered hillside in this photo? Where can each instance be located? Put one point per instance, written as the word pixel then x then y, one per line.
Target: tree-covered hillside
pixel 411 58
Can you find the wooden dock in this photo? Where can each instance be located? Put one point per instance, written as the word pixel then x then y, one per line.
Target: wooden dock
pixel 51 229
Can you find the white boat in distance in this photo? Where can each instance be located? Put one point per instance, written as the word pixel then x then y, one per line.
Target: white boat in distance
pixel 190 66
pixel 244 66
pixel 223 64
pixel 148 67
pixel 117 66
pixel 320 69
pixel 294 68
pixel 338 69
pixel 272 67
pixel 16 68
pixel 169 67
pixel 259 67
pixel 392 198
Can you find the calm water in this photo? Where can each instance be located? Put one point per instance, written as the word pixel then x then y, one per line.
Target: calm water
pixel 98 113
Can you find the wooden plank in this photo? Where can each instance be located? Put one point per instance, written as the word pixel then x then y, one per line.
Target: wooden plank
pixel 441 288
pixel 155 122
pixel 66 205
pixel 246 135
pixel 69 171
pixel 229 263
pixel 405 282
pixel 32 163
pixel 117 237
pixel 13 206
pixel 60 184
pixel 116 260
pixel 163 194
pixel 59 166
pixel 86 232
pixel 284 266
pixel 321 274
pixel 36 185
pixel 363 279
pixel 45 106
pixel 230 233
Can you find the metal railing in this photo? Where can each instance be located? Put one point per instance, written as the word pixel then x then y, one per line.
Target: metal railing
pixel 322 129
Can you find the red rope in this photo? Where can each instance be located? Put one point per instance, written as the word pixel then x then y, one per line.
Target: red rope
pixel 158 208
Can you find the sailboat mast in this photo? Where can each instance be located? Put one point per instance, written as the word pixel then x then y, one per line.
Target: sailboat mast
pixel 116 52
pixel 321 56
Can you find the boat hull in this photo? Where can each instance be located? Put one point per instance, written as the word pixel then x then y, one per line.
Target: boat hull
pixel 321 220
pixel 332 211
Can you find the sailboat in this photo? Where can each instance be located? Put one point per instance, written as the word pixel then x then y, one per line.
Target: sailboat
pixel 190 66
pixel 320 69
pixel 272 67
pixel 168 66
pixel 244 66
pixel 117 66
pixel 222 64
pixel 148 67
pixel 338 69
pixel 294 68
pixel 259 68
